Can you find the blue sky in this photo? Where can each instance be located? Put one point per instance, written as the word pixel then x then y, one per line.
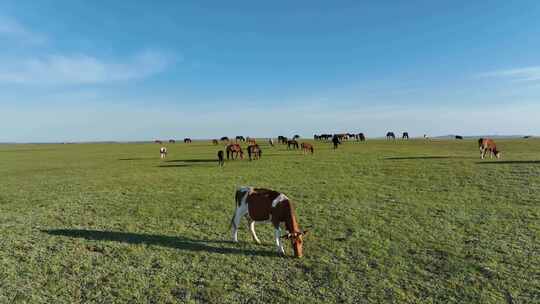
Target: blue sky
pixel 139 70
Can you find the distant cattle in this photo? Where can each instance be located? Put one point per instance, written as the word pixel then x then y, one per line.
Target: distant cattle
pixel 187 140
pixel 487 145
pixel 292 144
pixel 263 205
pixel 282 140
pixel 361 137
pixel 240 138
pixel 458 137
pixel 254 152
pixel 157 141
pixel 296 136
pixel 307 148
pixel 271 142
pixel 405 135
pixel 234 150
pixel 162 152
pixel 224 138
pixel 172 141
pixel 215 142
pixel 220 156
pixel 390 135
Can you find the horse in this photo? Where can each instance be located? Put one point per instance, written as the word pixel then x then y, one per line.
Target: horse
pixel 307 147
pixel 215 142
pixel 224 138
pixel 172 141
pixel 405 135
pixel 488 145
pixel 251 141
pixel 458 137
pixel 390 135
pixel 254 152
pixel 263 205
pixel 282 139
pixel 336 141
pixel 233 150
pixel 162 152
pixel 221 160
pixel 187 140
pixel 361 136
pixel 240 138
pixel 292 143
pixel 271 142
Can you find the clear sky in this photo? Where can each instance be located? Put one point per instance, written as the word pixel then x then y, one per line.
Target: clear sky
pixel 139 70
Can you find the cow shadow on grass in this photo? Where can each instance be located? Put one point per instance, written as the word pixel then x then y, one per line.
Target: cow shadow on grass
pixel 502 162
pixel 139 158
pixel 176 242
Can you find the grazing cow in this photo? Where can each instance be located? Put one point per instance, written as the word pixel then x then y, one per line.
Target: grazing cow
pixel 221 160
pixel 292 143
pixel 233 151
pixel 390 135
pixel 240 138
pixel 262 205
pixel 307 147
pixel 459 137
pixel 336 141
pixel 163 152
pixel 172 141
pixel 254 152
pixel 271 142
pixel 187 140
pixel 361 136
pixel 405 135
pixel 224 138
pixel 215 142
pixel 488 145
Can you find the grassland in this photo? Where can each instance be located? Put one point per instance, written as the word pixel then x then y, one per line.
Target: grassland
pixel 403 222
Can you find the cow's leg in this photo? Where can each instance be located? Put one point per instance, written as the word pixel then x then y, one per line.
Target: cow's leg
pixel 239 212
pixel 481 153
pixel 279 244
pixel 251 224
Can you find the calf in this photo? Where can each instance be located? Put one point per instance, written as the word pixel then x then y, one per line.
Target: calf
pixel 262 205
pixel 488 145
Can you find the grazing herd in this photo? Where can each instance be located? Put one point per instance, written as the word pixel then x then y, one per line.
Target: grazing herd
pixel 265 205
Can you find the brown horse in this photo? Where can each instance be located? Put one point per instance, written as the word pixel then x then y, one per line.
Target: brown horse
pixel 488 145
pixel 254 152
pixel 234 150
pixel 251 141
pixel 307 147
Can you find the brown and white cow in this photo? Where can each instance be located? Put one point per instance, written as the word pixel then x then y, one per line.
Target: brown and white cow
pixel 488 145
pixel 263 205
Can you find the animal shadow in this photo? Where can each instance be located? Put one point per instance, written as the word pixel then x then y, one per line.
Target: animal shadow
pixel 502 162
pixel 176 242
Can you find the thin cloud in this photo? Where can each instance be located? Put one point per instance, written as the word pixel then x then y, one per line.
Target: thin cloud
pixel 13 30
pixel 526 74
pixel 82 69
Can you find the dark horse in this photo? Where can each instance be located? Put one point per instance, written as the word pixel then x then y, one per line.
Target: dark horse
pixel 292 143
pixel 187 140
pixel 254 152
pixel 405 135
pixel 390 135
pixel 221 160
pixel 361 136
pixel 233 151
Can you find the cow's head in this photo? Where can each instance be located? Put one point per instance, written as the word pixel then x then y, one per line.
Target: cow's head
pixel 297 240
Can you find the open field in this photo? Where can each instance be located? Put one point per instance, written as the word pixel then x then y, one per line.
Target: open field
pixel 403 222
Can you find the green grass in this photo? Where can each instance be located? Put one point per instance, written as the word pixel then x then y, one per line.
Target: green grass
pixel 403 222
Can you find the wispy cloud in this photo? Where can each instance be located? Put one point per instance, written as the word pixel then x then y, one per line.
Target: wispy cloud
pixel 525 74
pixel 82 69
pixel 13 30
